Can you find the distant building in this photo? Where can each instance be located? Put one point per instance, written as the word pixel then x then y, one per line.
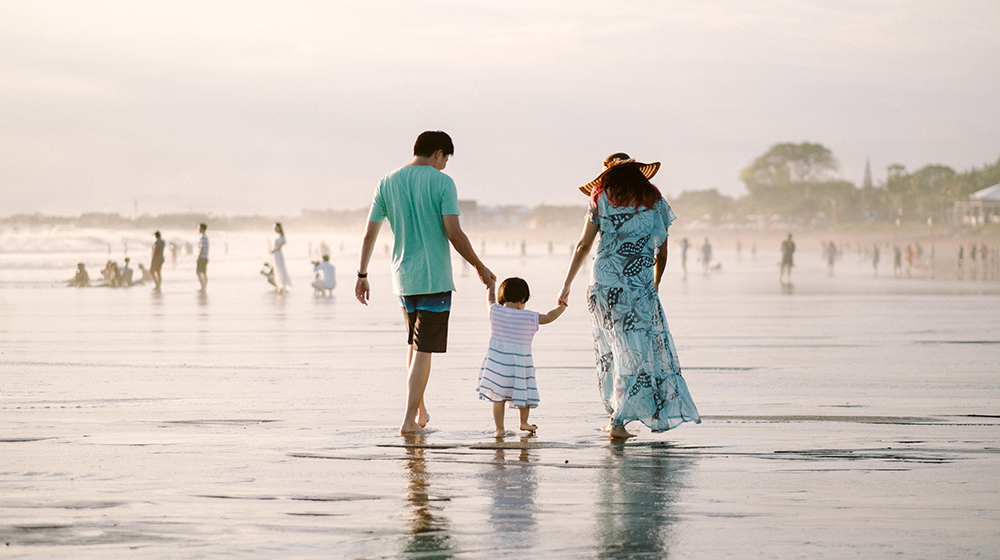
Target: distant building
pixel 983 207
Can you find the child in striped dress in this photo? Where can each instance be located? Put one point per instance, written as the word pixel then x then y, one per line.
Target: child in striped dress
pixel 508 373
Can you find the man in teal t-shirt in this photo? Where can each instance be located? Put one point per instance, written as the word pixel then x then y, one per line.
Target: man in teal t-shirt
pixel 421 205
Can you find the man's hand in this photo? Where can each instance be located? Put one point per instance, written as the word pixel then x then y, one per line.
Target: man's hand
pixel 486 276
pixel 362 290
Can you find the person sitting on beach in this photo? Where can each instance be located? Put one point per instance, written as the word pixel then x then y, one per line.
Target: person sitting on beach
pixel 112 275
pixel 81 279
pixel 126 274
pixel 144 275
pixel 421 205
pixel 328 281
pixel 508 371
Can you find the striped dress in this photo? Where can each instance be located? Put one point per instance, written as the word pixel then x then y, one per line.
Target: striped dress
pixel 508 374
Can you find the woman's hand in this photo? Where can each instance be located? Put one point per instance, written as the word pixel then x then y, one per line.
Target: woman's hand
pixel 564 296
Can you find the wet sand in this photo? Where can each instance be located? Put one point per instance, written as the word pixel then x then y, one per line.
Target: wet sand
pixel 845 416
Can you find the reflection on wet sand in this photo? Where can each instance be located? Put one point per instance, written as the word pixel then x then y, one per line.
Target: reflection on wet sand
pixel 429 538
pixel 512 484
pixel 637 490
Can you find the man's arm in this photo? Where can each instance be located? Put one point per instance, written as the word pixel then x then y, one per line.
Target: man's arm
pixel 453 229
pixel 362 289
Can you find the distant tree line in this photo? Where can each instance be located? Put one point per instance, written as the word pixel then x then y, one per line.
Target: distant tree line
pixel 797 183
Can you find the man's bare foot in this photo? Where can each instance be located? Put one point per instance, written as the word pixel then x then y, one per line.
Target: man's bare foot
pixel 410 428
pixel 423 417
pixel 528 427
pixel 500 433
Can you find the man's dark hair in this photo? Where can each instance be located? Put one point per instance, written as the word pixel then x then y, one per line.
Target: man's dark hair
pixel 202 226
pixel 431 141
pixel 157 234
pixel 514 290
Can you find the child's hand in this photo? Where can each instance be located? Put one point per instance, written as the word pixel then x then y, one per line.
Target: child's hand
pixel 491 291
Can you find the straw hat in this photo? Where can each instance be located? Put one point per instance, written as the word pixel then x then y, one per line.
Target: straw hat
pixel 621 158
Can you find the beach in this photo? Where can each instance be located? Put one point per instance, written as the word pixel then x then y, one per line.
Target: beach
pixel 842 416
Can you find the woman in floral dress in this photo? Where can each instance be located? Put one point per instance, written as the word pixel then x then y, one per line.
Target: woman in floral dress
pixel 638 373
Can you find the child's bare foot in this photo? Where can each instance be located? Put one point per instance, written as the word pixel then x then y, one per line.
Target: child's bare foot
pixel 528 427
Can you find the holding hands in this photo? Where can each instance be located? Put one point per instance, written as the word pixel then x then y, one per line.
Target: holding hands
pixel 564 296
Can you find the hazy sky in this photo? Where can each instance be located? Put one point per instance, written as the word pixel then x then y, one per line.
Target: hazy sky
pixel 242 107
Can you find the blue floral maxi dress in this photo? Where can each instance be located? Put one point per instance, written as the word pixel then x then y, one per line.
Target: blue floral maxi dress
pixel 638 373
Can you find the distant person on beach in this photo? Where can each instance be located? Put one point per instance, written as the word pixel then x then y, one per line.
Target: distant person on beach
pixel 507 375
pixel 973 269
pixel 126 274
pixel 831 257
pixel 875 258
pixel 201 269
pixel 421 205
pixel 281 279
pixel 706 256
pixel 81 279
pixel 639 376
pixel 897 260
pixel 157 263
pixel 685 245
pixel 109 274
pixel 983 256
pixel 787 259
pixel 144 275
pixel 959 272
pixel 327 276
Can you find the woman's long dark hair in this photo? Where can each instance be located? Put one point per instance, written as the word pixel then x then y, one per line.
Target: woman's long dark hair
pixel 625 185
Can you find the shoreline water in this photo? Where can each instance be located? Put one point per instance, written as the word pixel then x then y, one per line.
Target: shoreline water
pixel 849 415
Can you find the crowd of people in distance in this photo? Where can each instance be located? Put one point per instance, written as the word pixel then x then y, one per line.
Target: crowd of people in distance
pixel 975 261
pixel 276 272
pixel 982 263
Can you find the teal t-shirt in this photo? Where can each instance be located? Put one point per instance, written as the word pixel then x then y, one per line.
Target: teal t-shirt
pixel 413 198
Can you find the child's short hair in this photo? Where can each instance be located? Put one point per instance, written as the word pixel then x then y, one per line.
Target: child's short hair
pixel 514 290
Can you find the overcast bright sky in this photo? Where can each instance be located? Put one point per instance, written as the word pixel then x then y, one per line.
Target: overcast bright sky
pixel 271 107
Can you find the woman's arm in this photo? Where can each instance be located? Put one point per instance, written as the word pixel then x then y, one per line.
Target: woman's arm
pixel 583 246
pixel 661 264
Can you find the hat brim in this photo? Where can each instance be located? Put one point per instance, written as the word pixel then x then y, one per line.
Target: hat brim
pixel 648 170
